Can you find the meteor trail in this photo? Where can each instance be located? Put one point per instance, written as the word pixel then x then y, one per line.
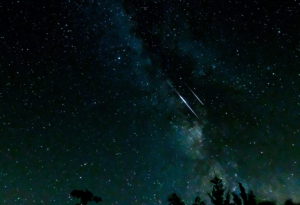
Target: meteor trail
pixel 196 96
pixel 183 100
pixel 188 106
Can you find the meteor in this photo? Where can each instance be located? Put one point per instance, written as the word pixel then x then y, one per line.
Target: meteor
pixel 187 105
pixel 196 96
pixel 183 100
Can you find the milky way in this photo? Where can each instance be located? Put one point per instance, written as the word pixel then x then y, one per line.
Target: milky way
pixel 86 100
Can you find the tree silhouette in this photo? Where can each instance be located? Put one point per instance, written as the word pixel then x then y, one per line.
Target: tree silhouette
pixel 227 199
pixel 251 198
pixel 244 197
pixel 236 199
pixel 243 194
pixel 267 203
pixel 85 197
pixel 175 200
pixel 290 202
pixel 198 201
pixel 217 194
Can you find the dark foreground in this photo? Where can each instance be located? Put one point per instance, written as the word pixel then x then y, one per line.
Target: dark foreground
pixel 218 196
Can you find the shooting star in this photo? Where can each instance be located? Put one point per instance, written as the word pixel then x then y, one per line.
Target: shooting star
pixel 183 100
pixel 195 95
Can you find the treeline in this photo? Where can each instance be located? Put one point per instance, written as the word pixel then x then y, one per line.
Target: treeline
pixel 218 196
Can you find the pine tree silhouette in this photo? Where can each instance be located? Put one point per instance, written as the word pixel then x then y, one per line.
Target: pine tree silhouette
pixel 243 194
pixel 267 203
pixel 251 198
pixel 247 198
pixel 219 197
pixel 290 202
pixel 85 197
pixel 236 199
pixel 175 200
pixel 227 199
pixel 217 194
pixel 198 201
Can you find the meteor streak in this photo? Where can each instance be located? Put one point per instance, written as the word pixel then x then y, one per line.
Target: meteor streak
pixel 188 106
pixel 196 96
pixel 183 100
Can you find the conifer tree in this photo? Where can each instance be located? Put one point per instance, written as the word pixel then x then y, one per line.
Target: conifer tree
pixel 251 198
pixel 174 199
pixel 198 201
pixel 227 199
pixel 217 194
pixel 243 194
pixel 236 199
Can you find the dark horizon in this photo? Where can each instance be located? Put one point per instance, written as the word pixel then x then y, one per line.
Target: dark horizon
pixel 219 195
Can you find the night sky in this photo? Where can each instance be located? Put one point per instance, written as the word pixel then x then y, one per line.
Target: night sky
pixel 137 99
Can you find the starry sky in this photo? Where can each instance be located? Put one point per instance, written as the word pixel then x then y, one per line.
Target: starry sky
pixel 95 94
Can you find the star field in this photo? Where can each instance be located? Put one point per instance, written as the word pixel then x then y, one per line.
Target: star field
pixel 91 97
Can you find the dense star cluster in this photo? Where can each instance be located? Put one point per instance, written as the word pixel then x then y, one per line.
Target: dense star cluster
pixel 137 99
